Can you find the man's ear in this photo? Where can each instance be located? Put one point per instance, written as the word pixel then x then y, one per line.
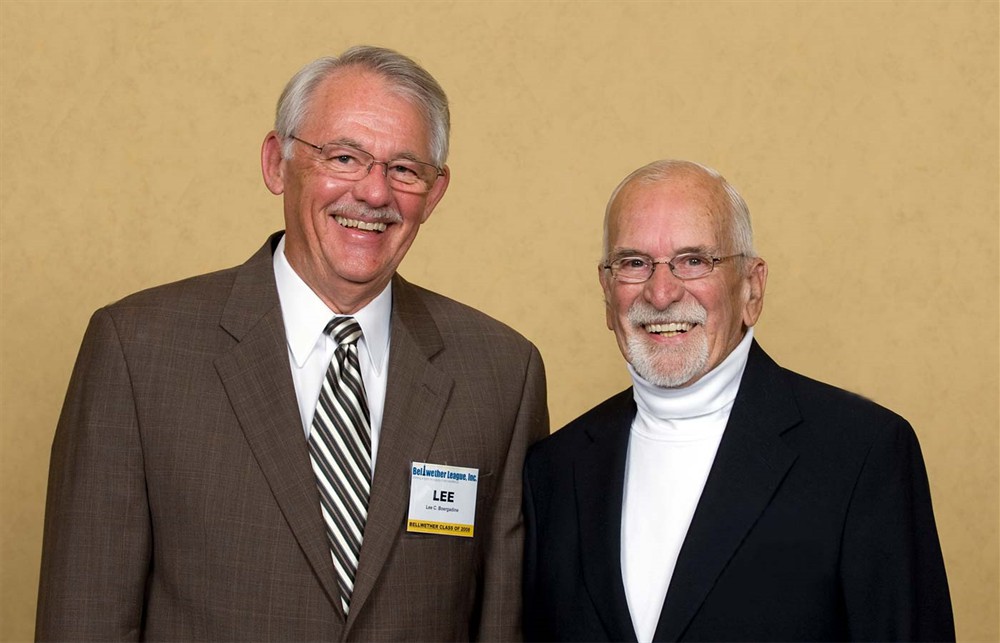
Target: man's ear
pixel 437 193
pixel 272 163
pixel 604 276
pixel 754 283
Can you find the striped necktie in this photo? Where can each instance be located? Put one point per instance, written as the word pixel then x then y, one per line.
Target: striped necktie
pixel 340 450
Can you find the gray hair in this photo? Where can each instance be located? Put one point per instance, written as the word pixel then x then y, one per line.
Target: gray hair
pixel 408 79
pixel 736 208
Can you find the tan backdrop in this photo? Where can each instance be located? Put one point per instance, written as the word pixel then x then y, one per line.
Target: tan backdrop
pixel 863 135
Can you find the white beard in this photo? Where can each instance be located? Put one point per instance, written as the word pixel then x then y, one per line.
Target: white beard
pixel 667 367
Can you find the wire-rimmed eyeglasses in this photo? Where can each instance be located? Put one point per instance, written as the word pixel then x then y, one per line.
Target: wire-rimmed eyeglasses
pixel 354 164
pixel 636 269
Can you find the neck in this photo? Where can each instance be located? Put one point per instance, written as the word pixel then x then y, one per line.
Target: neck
pixel 714 391
pixel 341 296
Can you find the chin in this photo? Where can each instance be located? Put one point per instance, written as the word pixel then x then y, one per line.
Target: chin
pixel 674 370
pixel 676 379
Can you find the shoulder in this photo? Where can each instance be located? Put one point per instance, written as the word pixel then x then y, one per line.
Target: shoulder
pixel 200 301
pixel 456 322
pixel 830 420
pixel 189 290
pixel 188 300
pixel 613 414
pixel 839 406
pixel 168 330
pixel 769 388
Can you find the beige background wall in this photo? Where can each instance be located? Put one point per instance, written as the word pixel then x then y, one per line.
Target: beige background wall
pixel 864 135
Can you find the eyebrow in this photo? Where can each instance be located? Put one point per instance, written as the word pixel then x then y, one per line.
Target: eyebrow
pixel 626 252
pixel 350 142
pixel 347 142
pixel 619 253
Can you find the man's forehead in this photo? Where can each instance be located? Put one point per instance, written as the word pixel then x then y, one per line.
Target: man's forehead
pixel 356 96
pixel 363 90
pixel 679 205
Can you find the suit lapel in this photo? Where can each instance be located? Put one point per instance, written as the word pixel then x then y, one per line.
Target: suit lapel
pixel 257 379
pixel 416 396
pixel 599 476
pixel 748 468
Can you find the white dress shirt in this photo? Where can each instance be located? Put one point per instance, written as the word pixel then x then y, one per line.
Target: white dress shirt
pixel 310 349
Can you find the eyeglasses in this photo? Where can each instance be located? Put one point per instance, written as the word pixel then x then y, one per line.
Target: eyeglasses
pixel 638 269
pixel 354 164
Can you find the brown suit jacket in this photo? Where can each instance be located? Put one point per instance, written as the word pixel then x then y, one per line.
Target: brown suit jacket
pixel 181 501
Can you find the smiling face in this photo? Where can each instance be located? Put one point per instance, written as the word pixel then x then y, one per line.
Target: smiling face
pixel 344 238
pixel 674 331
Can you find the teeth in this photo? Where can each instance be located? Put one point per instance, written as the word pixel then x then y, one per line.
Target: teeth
pixel 373 226
pixel 670 329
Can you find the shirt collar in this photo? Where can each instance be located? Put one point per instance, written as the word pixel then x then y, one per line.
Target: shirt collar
pixel 305 315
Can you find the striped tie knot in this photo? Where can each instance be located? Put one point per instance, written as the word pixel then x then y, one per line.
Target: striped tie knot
pixel 343 330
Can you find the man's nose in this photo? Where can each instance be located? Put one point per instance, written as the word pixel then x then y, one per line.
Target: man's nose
pixel 374 188
pixel 663 288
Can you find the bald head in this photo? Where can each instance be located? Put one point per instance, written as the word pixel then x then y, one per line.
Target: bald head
pixel 729 207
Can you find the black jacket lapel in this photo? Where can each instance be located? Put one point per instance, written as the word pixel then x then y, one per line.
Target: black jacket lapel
pixel 599 476
pixel 751 462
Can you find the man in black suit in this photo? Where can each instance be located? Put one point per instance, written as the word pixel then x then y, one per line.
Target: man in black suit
pixel 721 497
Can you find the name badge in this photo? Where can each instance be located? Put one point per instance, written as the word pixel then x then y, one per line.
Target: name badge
pixel 442 499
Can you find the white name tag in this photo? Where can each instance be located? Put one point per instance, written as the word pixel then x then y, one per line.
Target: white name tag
pixel 442 499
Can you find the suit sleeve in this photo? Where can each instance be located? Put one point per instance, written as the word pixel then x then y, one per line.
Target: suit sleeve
pixel 500 619
pixel 96 547
pixel 894 582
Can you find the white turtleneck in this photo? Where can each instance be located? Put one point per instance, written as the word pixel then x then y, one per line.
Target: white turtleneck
pixel 674 438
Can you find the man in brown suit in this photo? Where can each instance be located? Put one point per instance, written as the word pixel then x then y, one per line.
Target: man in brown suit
pixel 183 501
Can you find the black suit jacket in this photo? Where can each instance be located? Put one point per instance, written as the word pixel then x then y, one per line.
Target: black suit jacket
pixel 815 524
